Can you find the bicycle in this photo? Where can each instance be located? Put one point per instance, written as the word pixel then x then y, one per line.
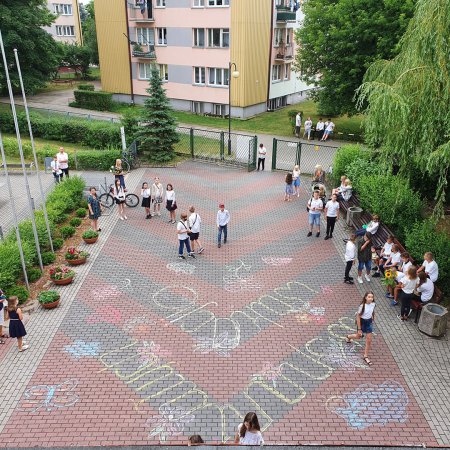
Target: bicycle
pixel 130 159
pixel 107 199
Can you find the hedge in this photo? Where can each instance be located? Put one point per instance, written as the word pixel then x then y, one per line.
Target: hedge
pixel 86 87
pixel 97 100
pixel 10 264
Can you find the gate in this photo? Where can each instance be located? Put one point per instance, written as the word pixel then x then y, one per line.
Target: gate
pixel 287 154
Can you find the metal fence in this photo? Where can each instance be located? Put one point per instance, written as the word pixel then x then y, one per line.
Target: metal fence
pixel 73 115
pixel 287 154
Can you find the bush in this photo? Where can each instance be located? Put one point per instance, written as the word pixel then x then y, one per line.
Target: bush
pixel 345 155
pixel 362 167
pixel 33 274
pixel 81 212
pixel 67 231
pixel 46 297
pixel 12 148
pixel 20 292
pixel 49 257
pixel 98 100
pixel 10 263
pixel 57 243
pixel 75 222
pixel 86 87
pixel 392 199
pixel 83 204
pixel 90 234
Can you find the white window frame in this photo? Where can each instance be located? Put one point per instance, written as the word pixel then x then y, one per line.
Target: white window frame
pixel 147 71
pixel 221 107
pixel 288 37
pixel 196 33
pixel 198 4
pixel 287 71
pixel 200 74
pixel 65 30
pixel 160 4
pixel 276 73
pixel 218 3
pixel 144 36
pixel 63 9
pixel 222 32
pixel 196 107
pixel 164 72
pixel 219 73
pixel 163 40
pixel 278 36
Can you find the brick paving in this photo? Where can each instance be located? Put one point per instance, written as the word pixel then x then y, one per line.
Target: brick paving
pixel 147 349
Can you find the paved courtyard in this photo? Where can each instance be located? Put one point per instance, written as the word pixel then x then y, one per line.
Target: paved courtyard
pixel 147 349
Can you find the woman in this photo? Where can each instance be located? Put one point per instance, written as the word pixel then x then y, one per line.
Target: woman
pixel 119 197
pixel 118 172
pixel 171 202
pixel 157 196
pixel 95 208
pixel 319 175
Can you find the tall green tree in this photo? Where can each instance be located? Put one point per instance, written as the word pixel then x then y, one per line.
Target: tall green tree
pixel 158 133
pixel 408 97
pixel 90 32
pixel 76 57
pixel 21 25
pixel 338 41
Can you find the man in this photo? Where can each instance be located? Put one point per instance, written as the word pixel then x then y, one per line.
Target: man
pixel 63 161
pixel 194 225
pixel 298 124
pixel 328 130
pixel 223 218
pixel 56 171
pixel 319 129
pixel 261 155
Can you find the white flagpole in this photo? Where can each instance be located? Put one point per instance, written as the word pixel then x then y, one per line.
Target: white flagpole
pixel 13 208
pixel 22 160
pixel 25 104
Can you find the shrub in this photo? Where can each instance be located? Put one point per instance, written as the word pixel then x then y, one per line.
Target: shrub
pixel 81 212
pixel 33 274
pixel 12 148
pixel 10 263
pixel 49 257
pixel 90 234
pixel 46 297
pixel 20 292
pixel 362 167
pixel 67 231
pixel 98 100
pixel 57 243
pixel 345 155
pixel 86 87
pixel 83 204
pixel 392 199
pixel 75 222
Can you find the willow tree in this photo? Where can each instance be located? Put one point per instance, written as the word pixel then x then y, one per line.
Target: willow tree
pixel 408 97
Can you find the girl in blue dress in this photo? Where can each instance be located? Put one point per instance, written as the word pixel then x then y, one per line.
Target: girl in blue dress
pixel 16 327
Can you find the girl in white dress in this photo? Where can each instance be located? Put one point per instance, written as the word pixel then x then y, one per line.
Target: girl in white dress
pixel 249 432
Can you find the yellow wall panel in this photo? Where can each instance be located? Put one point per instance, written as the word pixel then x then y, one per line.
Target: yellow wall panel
pixel 113 47
pixel 251 36
pixel 76 14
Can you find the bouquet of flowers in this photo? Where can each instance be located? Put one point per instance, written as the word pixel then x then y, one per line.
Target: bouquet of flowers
pixel 389 278
pixel 74 253
pixel 61 273
pixel 115 170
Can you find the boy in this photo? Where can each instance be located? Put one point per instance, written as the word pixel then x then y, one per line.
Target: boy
pixel 194 225
pixel 430 267
pixel 223 218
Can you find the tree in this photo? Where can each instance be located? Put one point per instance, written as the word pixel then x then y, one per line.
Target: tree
pixel 76 57
pixel 408 97
pixel 21 25
pixel 338 41
pixel 158 135
pixel 90 32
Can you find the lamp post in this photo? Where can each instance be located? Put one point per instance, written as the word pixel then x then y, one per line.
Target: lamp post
pixel 235 74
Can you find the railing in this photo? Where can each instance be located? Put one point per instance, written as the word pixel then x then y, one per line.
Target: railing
pixel 150 54
pixel 284 14
pixel 284 53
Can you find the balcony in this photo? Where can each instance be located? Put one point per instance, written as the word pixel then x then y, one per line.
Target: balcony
pixel 284 53
pixel 135 14
pixel 142 54
pixel 284 14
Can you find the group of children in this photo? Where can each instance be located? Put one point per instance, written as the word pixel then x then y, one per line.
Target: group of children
pixel 9 310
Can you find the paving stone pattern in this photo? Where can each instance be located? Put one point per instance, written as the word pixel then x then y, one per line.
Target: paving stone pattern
pixel 146 348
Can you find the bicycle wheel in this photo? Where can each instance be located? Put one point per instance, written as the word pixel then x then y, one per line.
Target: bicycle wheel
pixel 131 200
pixel 107 200
pixel 125 165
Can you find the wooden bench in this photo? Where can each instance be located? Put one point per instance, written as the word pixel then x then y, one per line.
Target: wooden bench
pixel 418 305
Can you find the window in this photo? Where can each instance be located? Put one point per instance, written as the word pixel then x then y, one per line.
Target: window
pixel 145 36
pixel 219 2
pixel 288 37
pixel 197 107
pixel 65 10
pixel 276 103
pixel 199 3
pixel 276 72
pixel 145 70
pixel 219 37
pixel 287 71
pixel 160 3
pixel 164 72
pixel 218 77
pixel 219 110
pixel 162 36
pixel 199 75
pixel 278 37
pixel 65 30
pixel 199 37
pixel 138 3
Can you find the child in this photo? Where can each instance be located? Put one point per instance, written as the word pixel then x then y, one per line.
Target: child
pixel 249 431
pixel 118 173
pixel 146 196
pixel 425 288
pixel 315 207
pixel 405 264
pixel 364 257
pixel 339 189
pixel 332 215
pixel 183 232
pixel 430 267
pixel 3 303
pixel 296 178
pixel 350 258
pixel 408 285
pixel 171 202
pixel 393 261
pixel 346 191
pixel 222 220
pixel 157 196
pixel 194 224
pixel 371 227
pixel 288 191
pixel 195 439
pixel 364 321
pixel 384 256
pixel 16 328
pixel 119 197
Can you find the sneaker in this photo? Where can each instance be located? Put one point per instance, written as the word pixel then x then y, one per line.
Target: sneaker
pixel 326 238
pixel 152 214
pixel 331 236
pixel 388 295
pixel 351 278
pixel 224 241
pixel 159 214
pixel 360 280
pixel 125 217
pixel 367 277
pixel 121 218
pixel 349 282
pixel 376 275
pixel 400 317
pixel 219 245
pixel 24 347
pixel 345 240
pixel 309 234
pixel 169 221
pixel 181 257
pixel 394 303
pixel 318 234
pixel 173 221
pixel 200 250
pixel 191 255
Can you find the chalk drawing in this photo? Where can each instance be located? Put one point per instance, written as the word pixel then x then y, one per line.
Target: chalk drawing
pixel 105 314
pixel 239 278
pixel 326 290
pixel 182 267
pixel 108 292
pixel 318 311
pixel 49 397
pixel 150 352
pixel 371 404
pixel 170 421
pixel 276 261
pixel 138 324
pixel 269 373
pixel 310 318
pixel 125 285
pixel 80 348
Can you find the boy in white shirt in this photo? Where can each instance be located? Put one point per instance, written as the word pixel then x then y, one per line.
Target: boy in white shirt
pixel 350 258
pixel 194 225
pixel 223 218
pixel 430 267
pixel 56 171
pixel 332 214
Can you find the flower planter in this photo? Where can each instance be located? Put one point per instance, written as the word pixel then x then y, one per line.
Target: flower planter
pixel 63 281
pixel 90 240
pixel 50 305
pixel 75 262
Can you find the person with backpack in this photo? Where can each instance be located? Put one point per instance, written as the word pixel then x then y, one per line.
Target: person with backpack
pixel 183 232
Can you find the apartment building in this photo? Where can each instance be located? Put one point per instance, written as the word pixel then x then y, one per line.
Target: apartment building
pixel 67 26
pixel 194 43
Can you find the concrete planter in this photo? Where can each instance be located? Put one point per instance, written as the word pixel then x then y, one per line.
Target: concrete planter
pixel 433 320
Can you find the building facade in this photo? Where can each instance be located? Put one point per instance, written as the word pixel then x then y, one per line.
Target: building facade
pixel 193 43
pixel 67 26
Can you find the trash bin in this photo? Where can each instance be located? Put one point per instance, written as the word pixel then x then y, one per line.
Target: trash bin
pixel 352 213
pixel 48 164
pixel 433 320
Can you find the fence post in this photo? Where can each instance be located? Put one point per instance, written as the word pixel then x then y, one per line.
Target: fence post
pixel 222 145
pixel 76 160
pixel 299 154
pixel 274 153
pixel 191 141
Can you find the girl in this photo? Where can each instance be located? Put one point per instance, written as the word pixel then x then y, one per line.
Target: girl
pixel 118 172
pixel 288 190
pixel 346 191
pixel 171 202
pixel 364 321
pixel 408 285
pixel 332 215
pixel 249 431
pixel 119 196
pixel 95 208
pixel 296 178
pixel 16 328
pixel 338 190
pixel 3 304
pixel 157 196
pixel 146 195
pixel 350 258
pixel 401 273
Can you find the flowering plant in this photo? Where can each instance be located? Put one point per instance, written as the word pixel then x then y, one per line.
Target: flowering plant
pixel 61 273
pixel 74 253
pixel 389 278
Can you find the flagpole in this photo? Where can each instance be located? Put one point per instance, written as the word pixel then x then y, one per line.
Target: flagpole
pixel 30 130
pixel 13 207
pixel 22 160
